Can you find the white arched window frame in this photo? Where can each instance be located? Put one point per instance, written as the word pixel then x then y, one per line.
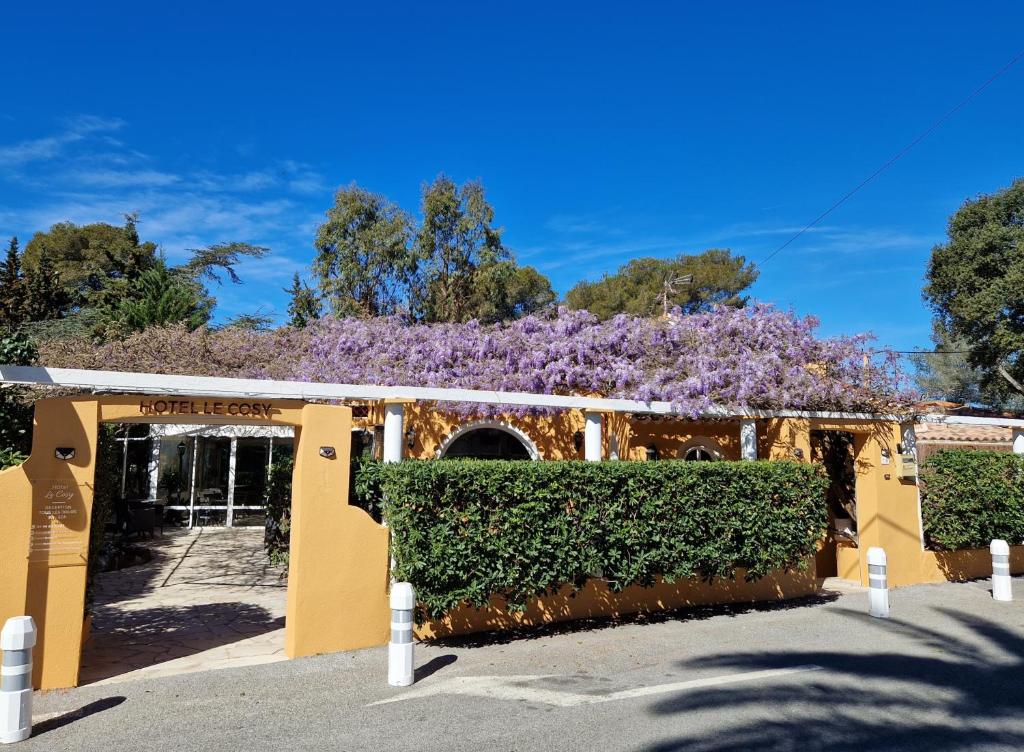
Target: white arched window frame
pixel 525 440
pixel 701 447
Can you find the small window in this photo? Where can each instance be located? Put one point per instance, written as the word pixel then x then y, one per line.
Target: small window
pixel 698 454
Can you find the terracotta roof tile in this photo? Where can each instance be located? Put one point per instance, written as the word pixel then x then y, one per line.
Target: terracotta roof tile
pixel 963 433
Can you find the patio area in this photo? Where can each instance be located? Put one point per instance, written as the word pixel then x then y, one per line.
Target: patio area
pixel 208 599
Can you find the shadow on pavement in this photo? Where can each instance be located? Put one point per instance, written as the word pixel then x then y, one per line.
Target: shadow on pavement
pixel 434 665
pixel 97 706
pixel 957 692
pixel 127 640
pixel 693 613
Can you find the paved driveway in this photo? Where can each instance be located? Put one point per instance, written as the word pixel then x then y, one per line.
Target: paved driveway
pixel 209 599
pixel 945 673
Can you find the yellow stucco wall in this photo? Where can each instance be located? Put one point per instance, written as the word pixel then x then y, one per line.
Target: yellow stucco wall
pixel 595 600
pixel 337 586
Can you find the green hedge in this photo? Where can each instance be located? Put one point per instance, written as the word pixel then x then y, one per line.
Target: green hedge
pixel 969 497
pixel 465 530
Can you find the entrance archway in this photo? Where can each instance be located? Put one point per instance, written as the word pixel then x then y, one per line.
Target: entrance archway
pixel 334 602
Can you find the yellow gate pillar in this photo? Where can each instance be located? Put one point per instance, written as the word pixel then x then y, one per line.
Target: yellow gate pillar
pixel 338 562
pixel 46 544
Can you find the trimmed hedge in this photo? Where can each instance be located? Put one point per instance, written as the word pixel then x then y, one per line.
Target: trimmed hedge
pixel 465 530
pixel 969 497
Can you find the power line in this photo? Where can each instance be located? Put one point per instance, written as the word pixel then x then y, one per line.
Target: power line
pixel 892 160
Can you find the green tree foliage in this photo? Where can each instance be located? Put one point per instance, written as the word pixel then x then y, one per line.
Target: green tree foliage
pixel 946 374
pixel 276 535
pixel 12 293
pixel 456 239
pixel 87 256
pixel 15 410
pixel 364 265
pixel 975 282
pixel 464 530
pixel 503 291
pixel 303 303
pixel 970 497
pixel 35 295
pixel 638 287
pixel 159 296
pixel 207 264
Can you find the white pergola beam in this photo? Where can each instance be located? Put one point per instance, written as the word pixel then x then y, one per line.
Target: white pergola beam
pixel 215 386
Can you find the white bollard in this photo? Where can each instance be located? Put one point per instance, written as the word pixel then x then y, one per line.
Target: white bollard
pixel 1002 587
pixel 17 639
pixel 403 601
pixel 878 583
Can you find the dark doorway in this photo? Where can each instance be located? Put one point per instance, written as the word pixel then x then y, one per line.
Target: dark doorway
pixel 835 451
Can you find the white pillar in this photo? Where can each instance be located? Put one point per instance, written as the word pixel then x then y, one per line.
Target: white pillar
pixel 394 413
pixel 1018 440
pixel 154 464
pixel 748 439
pixel 878 583
pixel 1002 585
pixel 192 482
pixel 17 639
pixel 592 436
pixel 232 460
pixel 400 659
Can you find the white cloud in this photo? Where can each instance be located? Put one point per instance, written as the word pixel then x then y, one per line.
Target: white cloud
pixel 50 147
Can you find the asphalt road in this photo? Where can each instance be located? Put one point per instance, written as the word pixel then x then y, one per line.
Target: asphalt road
pixel 945 673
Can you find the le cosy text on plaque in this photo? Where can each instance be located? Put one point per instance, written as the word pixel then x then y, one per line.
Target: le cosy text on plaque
pixel 157 407
pixel 59 522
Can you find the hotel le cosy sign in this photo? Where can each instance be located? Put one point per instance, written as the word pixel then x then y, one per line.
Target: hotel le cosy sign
pixel 162 407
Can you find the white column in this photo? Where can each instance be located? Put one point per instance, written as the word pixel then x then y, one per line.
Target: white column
pixel 232 459
pixel 192 484
pixel 394 413
pixel 592 437
pixel 1018 440
pixel 748 439
pixel 154 465
pixel 124 465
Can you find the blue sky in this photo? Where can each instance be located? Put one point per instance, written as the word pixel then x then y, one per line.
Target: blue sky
pixel 602 131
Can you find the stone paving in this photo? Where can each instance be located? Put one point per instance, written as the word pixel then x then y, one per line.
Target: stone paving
pixel 208 599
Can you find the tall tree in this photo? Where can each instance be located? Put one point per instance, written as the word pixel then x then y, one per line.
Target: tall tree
pixel 503 291
pixel 455 239
pixel 86 257
pixel 364 263
pixel 12 288
pixel 303 303
pixel 646 286
pixel 46 299
pixel 975 285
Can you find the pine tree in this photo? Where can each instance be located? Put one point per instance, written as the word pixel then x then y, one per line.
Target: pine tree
pixel 304 305
pixel 46 298
pixel 12 288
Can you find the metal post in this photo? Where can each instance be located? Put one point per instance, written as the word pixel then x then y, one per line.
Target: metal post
pixel 1002 585
pixel 748 439
pixel 878 583
pixel 17 639
pixel 592 436
pixel 403 601
pixel 394 414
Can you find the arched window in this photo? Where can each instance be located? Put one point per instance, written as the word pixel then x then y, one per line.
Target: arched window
pixel 489 441
pixel 700 449
pixel 698 454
